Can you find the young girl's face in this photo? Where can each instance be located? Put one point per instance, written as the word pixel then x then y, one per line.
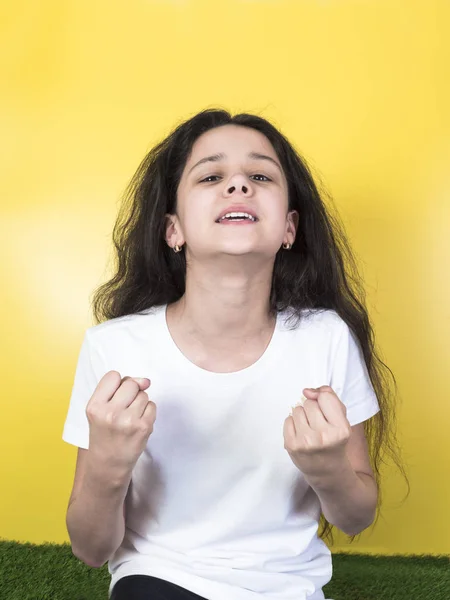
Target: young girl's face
pixel 232 169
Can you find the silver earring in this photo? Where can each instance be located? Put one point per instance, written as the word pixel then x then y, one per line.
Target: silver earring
pixel 287 246
pixel 177 249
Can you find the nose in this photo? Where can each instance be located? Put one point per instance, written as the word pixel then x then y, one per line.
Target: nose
pixel 232 188
pixel 238 184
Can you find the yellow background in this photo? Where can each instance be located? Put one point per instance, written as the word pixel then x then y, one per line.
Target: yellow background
pixel 88 86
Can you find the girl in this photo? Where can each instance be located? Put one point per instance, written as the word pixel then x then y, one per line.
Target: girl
pixel 269 406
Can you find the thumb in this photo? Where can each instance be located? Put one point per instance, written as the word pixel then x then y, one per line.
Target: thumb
pixel 311 393
pixel 143 382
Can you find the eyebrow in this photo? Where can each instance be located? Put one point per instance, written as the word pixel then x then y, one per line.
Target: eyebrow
pixel 221 156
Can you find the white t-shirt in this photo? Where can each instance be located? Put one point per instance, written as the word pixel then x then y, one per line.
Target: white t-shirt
pixel 215 503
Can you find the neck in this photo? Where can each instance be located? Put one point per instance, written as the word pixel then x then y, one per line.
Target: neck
pixel 225 304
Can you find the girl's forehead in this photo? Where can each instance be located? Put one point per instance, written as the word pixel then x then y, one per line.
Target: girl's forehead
pixel 230 139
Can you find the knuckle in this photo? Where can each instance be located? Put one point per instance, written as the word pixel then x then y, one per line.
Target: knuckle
pixel 110 417
pixel 133 385
pixel 326 388
pixel 150 422
pixel 112 379
pixel 308 448
pixel 145 428
pixel 130 428
pixel 113 373
pixel 127 423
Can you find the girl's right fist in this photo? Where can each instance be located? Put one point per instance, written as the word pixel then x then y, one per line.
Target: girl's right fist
pixel 121 419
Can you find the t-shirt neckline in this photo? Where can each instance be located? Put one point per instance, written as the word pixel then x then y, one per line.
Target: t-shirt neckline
pixel 268 357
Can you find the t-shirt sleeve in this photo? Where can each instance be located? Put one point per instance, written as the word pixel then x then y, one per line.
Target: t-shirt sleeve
pixel 350 379
pixel 89 371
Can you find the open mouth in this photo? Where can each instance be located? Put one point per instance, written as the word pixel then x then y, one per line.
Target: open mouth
pixel 237 217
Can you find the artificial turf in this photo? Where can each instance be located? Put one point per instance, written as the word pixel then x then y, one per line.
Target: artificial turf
pixel 52 572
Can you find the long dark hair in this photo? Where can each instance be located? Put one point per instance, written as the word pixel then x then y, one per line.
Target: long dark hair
pixel 319 272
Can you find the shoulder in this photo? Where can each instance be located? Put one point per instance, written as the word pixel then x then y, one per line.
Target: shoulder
pixel 136 324
pixel 316 321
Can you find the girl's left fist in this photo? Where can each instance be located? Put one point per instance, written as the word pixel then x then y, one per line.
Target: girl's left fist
pixel 317 431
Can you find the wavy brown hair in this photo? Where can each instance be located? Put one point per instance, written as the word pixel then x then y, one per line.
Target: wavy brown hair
pixel 320 271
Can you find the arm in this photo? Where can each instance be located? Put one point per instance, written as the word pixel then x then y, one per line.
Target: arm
pixel 96 514
pixel 348 491
pixel 334 459
pixel 348 498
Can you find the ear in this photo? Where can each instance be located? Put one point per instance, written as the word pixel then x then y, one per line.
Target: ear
pixel 291 226
pixel 174 235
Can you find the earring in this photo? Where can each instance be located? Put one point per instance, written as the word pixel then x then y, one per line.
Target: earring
pixel 177 249
pixel 287 246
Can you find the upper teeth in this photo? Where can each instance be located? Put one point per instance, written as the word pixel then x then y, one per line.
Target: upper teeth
pixel 237 214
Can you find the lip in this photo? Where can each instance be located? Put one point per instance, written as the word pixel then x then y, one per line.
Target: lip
pixel 237 208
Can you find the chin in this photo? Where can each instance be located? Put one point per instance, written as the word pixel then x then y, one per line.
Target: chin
pixel 242 251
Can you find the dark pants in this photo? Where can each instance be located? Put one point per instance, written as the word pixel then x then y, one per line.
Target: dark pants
pixel 144 587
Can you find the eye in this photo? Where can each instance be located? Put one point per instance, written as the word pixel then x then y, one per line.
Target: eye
pixel 213 178
pixel 264 177
pixel 210 178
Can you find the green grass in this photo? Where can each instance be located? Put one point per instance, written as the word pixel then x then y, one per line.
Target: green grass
pixel 51 572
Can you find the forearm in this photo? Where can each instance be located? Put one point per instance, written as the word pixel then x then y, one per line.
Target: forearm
pixel 348 499
pixel 95 519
